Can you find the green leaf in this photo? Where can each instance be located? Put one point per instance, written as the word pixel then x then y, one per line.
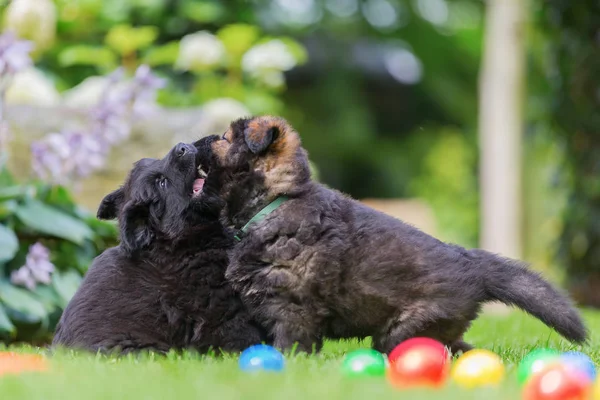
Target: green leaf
pixel 66 284
pixel 48 296
pixel 8 208
pixel 238 38
pixel 88 55
pixel 6 178
pixel 22 301
pixel 202 11
pixel 161 55
pixel 9 244
pixel 13 192
pixel 6 326
pixel 126 39
pixel 49 220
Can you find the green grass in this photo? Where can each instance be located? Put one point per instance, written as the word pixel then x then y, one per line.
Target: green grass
pixel 89 377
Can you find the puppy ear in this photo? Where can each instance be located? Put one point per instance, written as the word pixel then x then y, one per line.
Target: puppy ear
pixel 262 132
pixel 109 207
pixel 136 232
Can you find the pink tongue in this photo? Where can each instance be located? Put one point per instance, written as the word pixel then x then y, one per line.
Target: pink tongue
pixel 198 185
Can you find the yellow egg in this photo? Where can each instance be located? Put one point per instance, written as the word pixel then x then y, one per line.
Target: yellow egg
pixel 478 368
pixel 597 390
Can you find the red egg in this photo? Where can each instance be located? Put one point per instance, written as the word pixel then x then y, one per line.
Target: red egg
pixel 419 362
pixel 417 342
pixel 557 382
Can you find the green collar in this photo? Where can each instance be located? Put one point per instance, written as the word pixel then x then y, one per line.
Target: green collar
pixel 272 206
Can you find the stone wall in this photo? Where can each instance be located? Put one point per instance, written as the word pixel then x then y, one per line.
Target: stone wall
pixel 151 138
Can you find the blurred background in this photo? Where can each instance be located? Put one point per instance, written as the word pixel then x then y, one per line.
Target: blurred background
pixel 477 121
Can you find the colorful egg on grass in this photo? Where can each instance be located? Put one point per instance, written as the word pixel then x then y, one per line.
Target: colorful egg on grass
pixel 558 382
pixel 418 342
pixel 478 368
pixel 534 362
pixel 261 358
pixel 419 362
pixel 580 362
pixel 14 363
pixel 364 363
pixel 596 390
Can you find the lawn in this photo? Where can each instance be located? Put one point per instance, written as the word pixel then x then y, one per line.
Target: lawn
pixel 306 377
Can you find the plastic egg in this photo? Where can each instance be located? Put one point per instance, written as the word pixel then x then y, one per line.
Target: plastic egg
pixel 364 363
pixel 419 362
pixel 16 363
pixel 261 358
pixel 579 361
pixel 558 382
pixel 534 362
pixel 478 368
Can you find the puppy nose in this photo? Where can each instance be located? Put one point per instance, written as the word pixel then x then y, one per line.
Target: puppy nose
pixel 182 149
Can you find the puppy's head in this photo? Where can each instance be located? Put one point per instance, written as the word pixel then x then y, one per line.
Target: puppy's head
pixel 158 197
pixel 266 147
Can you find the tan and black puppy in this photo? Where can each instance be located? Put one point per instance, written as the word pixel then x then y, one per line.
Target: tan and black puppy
pixel 314 263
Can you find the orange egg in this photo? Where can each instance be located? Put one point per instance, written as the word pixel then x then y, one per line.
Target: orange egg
pixel 15 363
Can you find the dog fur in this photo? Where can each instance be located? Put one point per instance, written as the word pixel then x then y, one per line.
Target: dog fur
pixel 324 265
pixel 163 287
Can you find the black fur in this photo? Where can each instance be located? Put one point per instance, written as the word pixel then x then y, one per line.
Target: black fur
pixel 325 265
pixel 163 287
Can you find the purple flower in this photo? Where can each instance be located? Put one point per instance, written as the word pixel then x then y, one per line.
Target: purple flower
pixel 37 268
pixel 46 163
pixel 145 78
pixel 14 54
pixel 145 85
pixel 66 156
pixel 116 76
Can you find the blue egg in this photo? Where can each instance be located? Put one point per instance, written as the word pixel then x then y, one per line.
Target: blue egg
pixel 261 358
pixel 581 362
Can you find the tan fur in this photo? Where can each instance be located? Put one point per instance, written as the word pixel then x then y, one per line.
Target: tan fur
pixel 278 165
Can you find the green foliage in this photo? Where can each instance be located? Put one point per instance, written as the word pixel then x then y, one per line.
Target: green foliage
pixel 571 65
pixel 125 39
pixel 203 11
pixel 238 38
pixel 161 55
pixel 448 183
pixel 101 57
pixel 35 213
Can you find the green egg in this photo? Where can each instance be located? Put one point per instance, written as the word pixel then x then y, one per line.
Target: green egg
pixel 364 363
pixel 535 362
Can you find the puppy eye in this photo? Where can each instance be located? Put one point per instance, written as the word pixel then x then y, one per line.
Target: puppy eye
pixel 162 182
pixel 224 138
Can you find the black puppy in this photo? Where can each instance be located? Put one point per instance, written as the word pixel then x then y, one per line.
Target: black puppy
pixel 313 263
pixel 163 287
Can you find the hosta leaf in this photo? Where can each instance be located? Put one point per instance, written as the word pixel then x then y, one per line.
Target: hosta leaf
pixel 6 327
pixel 66 285
pixel 51 221
pixel 9 244
pixel 22 301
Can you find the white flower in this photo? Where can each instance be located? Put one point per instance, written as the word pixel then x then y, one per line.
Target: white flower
pixel 199 51
pixel 272 55
pixel 32 19
pixel 31 87
pixel 274 79
pixel 217 115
